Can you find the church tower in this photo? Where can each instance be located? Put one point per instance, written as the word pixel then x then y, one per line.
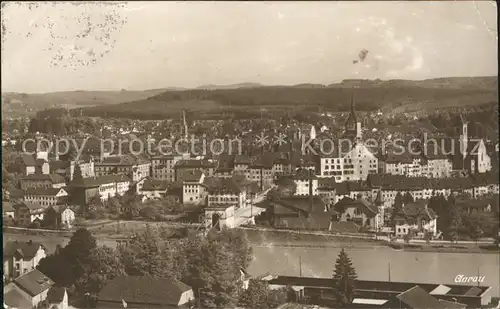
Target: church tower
pixel 352 125
pixel 464 137
pixel 184 125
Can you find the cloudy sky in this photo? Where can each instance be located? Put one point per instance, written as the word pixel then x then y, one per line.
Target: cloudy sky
pixel 143 45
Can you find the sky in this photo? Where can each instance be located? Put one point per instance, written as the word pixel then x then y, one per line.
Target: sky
pixel 49 47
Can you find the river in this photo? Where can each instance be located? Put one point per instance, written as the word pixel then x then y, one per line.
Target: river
pixel 370 260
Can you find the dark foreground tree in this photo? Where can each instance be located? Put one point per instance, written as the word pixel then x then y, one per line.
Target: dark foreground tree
pixel 260 296
pixel 344 278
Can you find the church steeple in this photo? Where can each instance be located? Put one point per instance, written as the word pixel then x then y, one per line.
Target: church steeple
pixel 184 125
pixel 350 124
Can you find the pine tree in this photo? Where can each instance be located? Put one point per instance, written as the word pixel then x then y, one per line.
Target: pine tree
pixel 397 206
pixel 344 278
pixel 455 219
pixel 408 198
pixel 77 173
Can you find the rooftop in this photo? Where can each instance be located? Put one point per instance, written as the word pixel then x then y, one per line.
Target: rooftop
pixel 34 282
pixel 144 290
pixel 26 249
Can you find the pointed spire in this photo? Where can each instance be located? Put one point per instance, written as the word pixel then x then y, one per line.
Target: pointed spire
pixel 352 101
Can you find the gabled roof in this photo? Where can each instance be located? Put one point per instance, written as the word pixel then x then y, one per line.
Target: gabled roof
pixel 54 178
pixel 304 174
pixel 417 209
pixel 43 191
pixel 221 185
pixel 452 304
pixel 327 183
pixel 125 160
pixel 368 208
pixel 241 159
pixel 7 207
pixel 190 163
pixel 28 160
pixel 33 207
pixel 27 249
pixel 59 208
pixel 92 182
pixel 14 298
pixel 56 294
pixel 34 282
pixel 155 184
pixel 144 290
pixel 40 162
pixel 418 298
pixel 192 176
pixel 301 203
pixel 473 203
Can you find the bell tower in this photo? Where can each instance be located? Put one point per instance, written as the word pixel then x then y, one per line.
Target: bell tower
pixel 352 127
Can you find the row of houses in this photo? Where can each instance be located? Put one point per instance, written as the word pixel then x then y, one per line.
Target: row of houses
pixel 25 214
pixel 385 294
pixel 24 285
pixel 385 187
pixel 352 215
pixel 27 287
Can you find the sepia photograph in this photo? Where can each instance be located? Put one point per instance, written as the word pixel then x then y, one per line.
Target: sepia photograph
pixel 250 154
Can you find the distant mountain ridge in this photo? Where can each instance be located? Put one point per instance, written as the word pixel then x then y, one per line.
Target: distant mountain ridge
pixel 232 86
pixel 247 100
pixel 468 88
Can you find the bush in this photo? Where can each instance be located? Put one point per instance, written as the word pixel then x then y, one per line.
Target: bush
pixel 35 225
pixel 149 212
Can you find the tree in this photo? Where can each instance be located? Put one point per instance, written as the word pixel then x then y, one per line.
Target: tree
pixel 259 295
pixel 114 206
pixel 454 217
pixel 344 278
pixel 105 264
pixel 58 268
pixel 145 255
pixel 77 174
pixel 240 247
pixel 68 265
pixel 407 237
pixel 439 204
pixel 286 186
pixel 149 212
pixel 211 270
pixel 397 206
pixel 427 237
pixel 256 296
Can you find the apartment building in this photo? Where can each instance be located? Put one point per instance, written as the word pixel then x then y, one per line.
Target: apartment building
pixel 135 167
pixel 21 257
pixel 46 196
pixel 42 181
pixel 193 189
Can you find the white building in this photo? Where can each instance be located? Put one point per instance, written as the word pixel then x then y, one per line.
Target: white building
pixel 306 182
pixel 415 218
pixel 355 164
pixel 46 196
pixel 193 190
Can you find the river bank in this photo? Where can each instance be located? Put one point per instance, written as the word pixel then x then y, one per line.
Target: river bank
pixel 108 233
pixel 290 238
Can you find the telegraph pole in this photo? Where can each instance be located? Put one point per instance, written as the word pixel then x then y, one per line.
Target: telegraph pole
pixel 300 265
pixel 389 270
